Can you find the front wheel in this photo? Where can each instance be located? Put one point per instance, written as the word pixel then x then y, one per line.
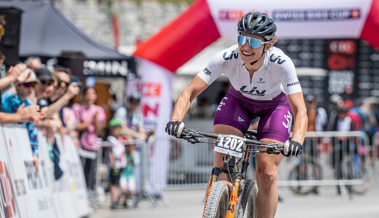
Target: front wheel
pixel 247 208
pixel 218 201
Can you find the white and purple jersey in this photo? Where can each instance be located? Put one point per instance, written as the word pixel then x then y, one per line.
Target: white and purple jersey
pixel 264 95
pixel 276 75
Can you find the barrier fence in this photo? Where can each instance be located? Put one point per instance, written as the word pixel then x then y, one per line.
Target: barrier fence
pixel 329 158
pixel 25 192
pixel 342 159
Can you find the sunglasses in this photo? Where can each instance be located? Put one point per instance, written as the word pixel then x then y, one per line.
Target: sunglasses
pixel 66 83
pixel 2 31
pixel 47 82
pixel 253 42
pixel 30 84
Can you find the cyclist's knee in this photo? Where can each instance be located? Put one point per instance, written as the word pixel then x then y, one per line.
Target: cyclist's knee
pixel 266 178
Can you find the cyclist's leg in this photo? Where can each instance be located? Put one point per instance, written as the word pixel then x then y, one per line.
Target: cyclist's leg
pixel 266 173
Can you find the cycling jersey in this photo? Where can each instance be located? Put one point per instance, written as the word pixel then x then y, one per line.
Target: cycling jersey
pixel 276 75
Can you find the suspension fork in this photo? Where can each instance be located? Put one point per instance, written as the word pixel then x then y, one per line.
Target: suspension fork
pixel 237 183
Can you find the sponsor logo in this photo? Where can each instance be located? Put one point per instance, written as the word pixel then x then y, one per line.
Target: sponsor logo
pixel 261 80
pixel 7 202
pixel 293 84
pixel 233 15
pixel 316 14
pixel 230 15
pixel 240 119
pixel 226 56
pixel 274 59
pixel 207 72
pixel 105 68
pixel 222 103
pixel 287 124
pixel 253 91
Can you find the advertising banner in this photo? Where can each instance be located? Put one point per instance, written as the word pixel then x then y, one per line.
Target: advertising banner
pixel 296 19
pixel 157 109
pixel 74 168
pixel 8 207
pixel 30 187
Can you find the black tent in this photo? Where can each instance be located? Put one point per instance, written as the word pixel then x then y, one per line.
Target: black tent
pixel 47 33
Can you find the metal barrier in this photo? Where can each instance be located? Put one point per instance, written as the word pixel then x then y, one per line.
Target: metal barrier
pixel 328 158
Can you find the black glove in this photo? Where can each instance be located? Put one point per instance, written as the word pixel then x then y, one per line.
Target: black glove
pixel 293 148
pixel 175 128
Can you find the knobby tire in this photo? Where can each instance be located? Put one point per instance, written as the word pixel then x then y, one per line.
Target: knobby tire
pixel 218 201
pixel 247 208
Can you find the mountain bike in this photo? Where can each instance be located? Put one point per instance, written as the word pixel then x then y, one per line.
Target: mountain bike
pixel 236 198
pixel 354 167
pixel 307 168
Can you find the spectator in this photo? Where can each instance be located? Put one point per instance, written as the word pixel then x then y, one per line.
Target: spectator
pixel 14 101
pixel 23 113
pixel 368 117
pixel 128 177
pixel 91 119
pixel 46 88
pixel 33 63
pixel 131 116
pixel 117 159
pixel 341 145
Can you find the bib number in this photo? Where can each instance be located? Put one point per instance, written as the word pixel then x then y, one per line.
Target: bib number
pixel 230 145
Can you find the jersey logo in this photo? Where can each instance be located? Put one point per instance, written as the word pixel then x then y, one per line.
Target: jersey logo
pixel 207 72
pixel 292 84
pixel 253 91
pixel 221 103
pixel 288 118
pixel 240 119
pixel 261 80
pixel 280 61
pixel 231 56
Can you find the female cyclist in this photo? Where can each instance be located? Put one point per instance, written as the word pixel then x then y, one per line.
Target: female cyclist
pixel 263 84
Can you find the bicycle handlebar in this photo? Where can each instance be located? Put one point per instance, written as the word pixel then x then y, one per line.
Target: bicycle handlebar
pixel 193 137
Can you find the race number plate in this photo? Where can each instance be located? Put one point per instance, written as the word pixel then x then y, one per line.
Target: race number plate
pixel 231 145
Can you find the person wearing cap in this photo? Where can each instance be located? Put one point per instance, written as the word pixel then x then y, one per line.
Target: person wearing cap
pixel 117 159
pixel 14 101
pixel 46 87
pixel 23 113
pixel 132 118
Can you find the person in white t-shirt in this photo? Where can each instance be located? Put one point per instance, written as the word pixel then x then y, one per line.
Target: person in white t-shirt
pixel 263 84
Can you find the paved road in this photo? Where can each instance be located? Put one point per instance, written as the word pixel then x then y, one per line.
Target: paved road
pixel 327 204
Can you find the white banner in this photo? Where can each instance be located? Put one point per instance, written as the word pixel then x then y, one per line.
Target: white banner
pixel 157 107
pixel 297 18
pixel 33 197
pixel 8 207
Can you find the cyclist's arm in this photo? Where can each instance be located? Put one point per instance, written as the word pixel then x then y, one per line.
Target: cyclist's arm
pixel 299 111
pixel 184 100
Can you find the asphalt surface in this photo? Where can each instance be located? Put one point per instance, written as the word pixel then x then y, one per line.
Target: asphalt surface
pixel 327 204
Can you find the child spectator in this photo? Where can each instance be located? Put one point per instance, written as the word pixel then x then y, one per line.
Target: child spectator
pixel 117 159
pixel 14 101
pixel 128 178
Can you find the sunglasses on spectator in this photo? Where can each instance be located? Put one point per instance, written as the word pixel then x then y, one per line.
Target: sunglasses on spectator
pixel 253 42
pixel 30 84
pixel 47 82
pixel 66 83
pixel 2 31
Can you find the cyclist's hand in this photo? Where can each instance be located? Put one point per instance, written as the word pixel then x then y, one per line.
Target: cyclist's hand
pixel 175 128
pixel 293 148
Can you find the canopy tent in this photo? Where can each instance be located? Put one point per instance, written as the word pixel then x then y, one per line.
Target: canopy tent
pixel 46 32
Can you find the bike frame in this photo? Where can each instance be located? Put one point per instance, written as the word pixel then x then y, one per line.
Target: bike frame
pixel 238 173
